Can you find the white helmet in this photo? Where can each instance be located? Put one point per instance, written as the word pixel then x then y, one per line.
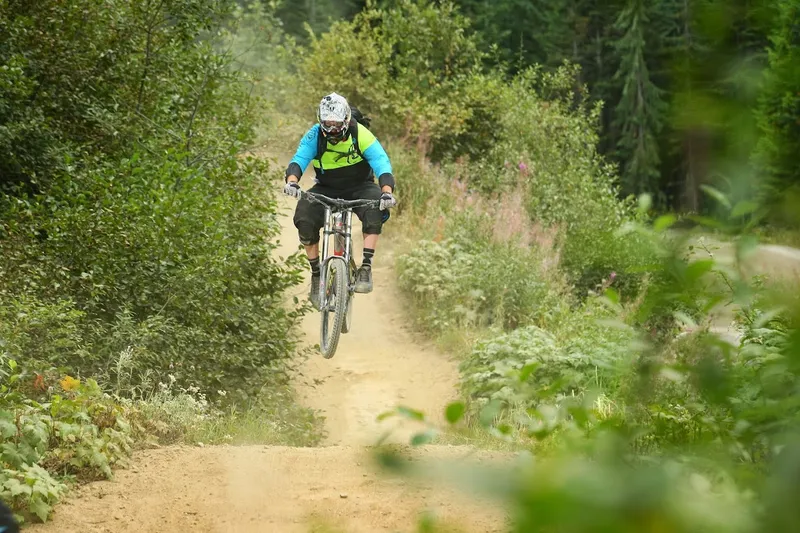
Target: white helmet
pixel 333 115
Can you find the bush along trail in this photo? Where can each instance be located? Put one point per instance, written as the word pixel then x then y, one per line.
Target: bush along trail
pixel 139 298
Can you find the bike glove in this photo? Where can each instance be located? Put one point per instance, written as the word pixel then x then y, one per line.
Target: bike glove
pixel 388 201
pixel 292 188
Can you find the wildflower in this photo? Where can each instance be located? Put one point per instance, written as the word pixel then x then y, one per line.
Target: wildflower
pixel 38 383
pixel 70 384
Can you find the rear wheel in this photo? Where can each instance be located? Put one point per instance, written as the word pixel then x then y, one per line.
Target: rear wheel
pixel 334 307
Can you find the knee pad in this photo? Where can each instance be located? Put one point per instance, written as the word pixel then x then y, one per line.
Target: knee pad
pixel 307 234
pixel 372 228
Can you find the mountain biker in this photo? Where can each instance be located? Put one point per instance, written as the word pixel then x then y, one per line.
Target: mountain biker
pixel 343 171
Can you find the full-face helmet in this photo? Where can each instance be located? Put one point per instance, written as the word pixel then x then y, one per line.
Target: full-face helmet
pixel 333 115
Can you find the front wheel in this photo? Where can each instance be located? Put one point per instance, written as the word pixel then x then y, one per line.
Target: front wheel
pixel 334 306
pixel 348 314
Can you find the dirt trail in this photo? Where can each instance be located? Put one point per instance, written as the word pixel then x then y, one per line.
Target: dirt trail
pixel 278 489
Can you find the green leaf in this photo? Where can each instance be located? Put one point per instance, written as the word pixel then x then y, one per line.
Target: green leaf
pixel 684 319
pixel 411 414
pixel 386 414
pixel 707 221
pixel 746 245
pixel 527 370
pixel 504 429
pixel 579 414
pixel 764 318
pixel 697 269
pixel 717 195
pixel 645 202
pixel 17 488
pixel 427 522
pixel 613 296
pixel 663 222
pixel 490 412
pixel 40 509
pixel 423 438
pixel 454 412
pixel 745 207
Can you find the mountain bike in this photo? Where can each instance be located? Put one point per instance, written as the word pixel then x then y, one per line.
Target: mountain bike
pixel 337 269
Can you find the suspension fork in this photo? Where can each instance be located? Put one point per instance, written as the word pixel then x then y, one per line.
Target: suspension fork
pixel 329 231
pixel 348 238
pixel 323 278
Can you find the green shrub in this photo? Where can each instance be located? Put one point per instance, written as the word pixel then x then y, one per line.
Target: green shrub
pixel 411 66
pixel 48 333
pixel 579 353
pixel 150 223
pixel 459 283
pixel 72 429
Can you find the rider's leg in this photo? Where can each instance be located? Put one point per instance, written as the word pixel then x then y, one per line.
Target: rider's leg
pixel 312 250
pixel 370 244
pixel 309 219
pixel 371 241
pixel 312 253
pixel 372 223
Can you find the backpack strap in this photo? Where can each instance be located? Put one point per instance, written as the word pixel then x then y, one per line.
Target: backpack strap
pixel 354 135
pixel 322 143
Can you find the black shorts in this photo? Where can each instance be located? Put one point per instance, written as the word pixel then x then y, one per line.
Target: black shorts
pixel 309 217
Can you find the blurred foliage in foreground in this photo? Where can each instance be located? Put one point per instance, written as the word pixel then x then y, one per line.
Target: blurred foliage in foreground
pixel 695 433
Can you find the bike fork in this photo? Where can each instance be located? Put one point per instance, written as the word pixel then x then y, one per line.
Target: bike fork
pixel 339 226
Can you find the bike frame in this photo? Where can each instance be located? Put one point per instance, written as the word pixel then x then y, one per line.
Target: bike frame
pixel 337 225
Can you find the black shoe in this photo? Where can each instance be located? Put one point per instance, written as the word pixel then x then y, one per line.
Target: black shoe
pixel 364 279
pixel 313 292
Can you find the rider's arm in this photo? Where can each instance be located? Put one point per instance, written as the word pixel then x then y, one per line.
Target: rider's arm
pixel 306 151
pixel 377 158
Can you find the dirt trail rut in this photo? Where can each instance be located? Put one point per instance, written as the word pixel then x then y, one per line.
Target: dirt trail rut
pixel 279 489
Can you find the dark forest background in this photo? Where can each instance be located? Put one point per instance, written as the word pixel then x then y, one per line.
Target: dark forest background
pixel 673 76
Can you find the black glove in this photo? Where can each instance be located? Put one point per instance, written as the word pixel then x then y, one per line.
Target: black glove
pixel 387 201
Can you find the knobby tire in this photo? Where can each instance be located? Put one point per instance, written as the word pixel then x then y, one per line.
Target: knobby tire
pixel 348 312
pixel 331 329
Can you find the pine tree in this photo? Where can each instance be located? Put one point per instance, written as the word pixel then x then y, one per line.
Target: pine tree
pixel 317 13
pixel 517 27
pixel 684 146
pixel 779 110
pixel 639 113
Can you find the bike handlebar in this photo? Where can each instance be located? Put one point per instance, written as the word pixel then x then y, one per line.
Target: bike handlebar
pixel 337 202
